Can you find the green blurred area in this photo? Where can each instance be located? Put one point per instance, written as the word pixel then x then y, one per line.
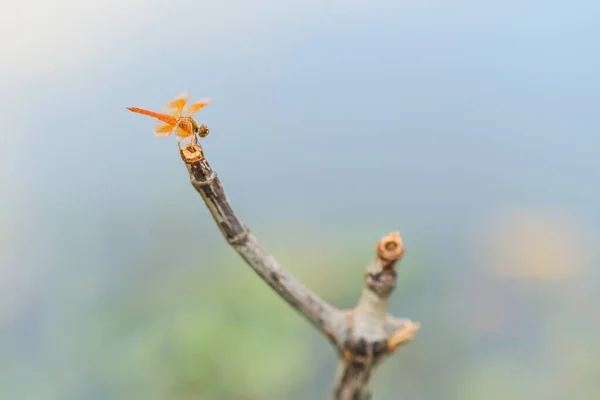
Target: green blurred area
pixel 188 320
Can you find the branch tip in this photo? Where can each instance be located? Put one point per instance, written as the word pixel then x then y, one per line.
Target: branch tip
pixel 191 153
pixel 390 249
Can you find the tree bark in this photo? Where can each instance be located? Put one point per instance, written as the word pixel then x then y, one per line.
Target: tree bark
pixel 363 336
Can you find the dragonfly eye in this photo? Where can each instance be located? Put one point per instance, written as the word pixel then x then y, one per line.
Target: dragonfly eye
pixel 202 130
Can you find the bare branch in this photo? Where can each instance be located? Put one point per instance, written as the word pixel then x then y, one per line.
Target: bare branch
pixel 324 317
pixel 372 333
pixel 362 337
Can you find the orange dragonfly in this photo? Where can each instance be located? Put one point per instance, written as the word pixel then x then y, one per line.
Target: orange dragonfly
pixel 174 118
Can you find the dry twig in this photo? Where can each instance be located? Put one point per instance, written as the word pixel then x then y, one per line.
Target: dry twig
pixel 363 336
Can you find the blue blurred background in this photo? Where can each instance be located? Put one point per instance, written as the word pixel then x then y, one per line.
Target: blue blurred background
pixel 471 127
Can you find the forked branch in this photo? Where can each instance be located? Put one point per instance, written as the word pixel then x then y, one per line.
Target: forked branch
pixel 362 337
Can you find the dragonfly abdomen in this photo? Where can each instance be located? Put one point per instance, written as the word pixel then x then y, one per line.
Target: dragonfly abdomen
pixel 169 119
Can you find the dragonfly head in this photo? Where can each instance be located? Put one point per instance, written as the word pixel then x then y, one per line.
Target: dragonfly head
pixel 201 130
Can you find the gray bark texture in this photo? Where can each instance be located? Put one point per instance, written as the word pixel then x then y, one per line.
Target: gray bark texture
pixel 362 337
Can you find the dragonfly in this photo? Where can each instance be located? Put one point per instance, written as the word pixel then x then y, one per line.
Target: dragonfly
pixel 173 118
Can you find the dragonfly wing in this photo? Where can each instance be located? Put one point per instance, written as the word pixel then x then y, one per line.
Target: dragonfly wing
pixel 175 106
pixel 196 106
pixel 162 129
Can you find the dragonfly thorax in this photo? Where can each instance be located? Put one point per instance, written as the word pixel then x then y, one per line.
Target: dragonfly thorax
pixel 188 125
pixel 194 125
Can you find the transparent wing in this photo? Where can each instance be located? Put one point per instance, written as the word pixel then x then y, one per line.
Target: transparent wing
pixel 162 129
pixel 196 106
pixel 175 106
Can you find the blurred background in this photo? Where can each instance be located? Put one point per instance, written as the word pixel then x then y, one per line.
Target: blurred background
pixel 471 127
